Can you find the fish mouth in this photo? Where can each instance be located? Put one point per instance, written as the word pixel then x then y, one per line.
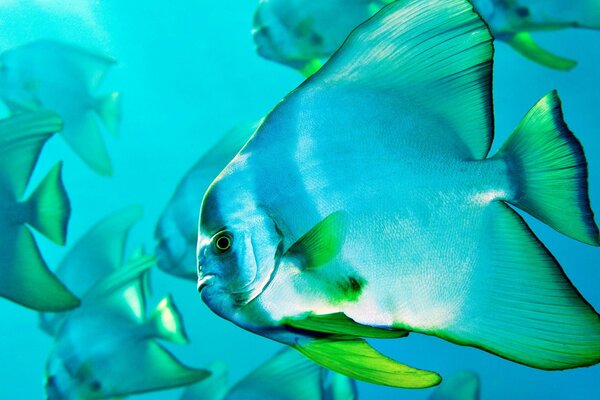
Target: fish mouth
pixel 204 281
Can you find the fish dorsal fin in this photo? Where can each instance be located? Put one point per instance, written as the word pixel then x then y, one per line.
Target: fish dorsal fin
pixel 166 322
pixel 99 252
pixel 434 55
pixel 340 324
pixel 321 244
pixel 22 137
pixel 286 376
pixel 147 366
pixel 463 385
pixel 213 388
pixel 355 358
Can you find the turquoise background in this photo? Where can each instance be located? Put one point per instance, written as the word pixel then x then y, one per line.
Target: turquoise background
pixel 188 72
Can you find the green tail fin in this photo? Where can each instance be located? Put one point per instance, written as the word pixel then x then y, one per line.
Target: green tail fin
pixel 522 306
pixel 166 322
pixel 108 108
pixel 50 207
pixel 551 172
pixel 356 359
pixel 524 44
pixel 26 278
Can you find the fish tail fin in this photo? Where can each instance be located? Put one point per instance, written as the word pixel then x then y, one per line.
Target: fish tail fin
pixel 108 108
pixel 551 172
pixel 523 43
pixel 522 305
pixel 50 207
pixel 166 322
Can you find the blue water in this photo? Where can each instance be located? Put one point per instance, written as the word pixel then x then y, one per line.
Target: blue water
pixel 188 72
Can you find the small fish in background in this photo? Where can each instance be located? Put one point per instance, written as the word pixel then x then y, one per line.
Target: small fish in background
pixel 177 228
pixel 303 34
pixel 25 277
pixel 108 347
pixel 64 78
pixel 513 21
pixel 286 376
pixel 366 205
pixel 463 385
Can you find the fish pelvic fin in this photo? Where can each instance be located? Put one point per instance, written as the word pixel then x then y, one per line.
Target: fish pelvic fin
pixel 50 207
pixel 522 306
pixel 551 172
pixel 355 358
pixel 166 322
pixel 524 44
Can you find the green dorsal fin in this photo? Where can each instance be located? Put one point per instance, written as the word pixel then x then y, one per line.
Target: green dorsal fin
pixel 523 43
pixel 356 359
pixel 340 324
pixel 322 243
pixel 435 55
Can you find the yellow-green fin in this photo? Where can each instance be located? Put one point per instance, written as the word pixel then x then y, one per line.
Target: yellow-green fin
pixel 166 322
pixel 340 324
pixel 322 243
pixel 523 43
pixel 356 359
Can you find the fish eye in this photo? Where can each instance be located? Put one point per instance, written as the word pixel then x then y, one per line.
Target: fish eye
pixel 222 242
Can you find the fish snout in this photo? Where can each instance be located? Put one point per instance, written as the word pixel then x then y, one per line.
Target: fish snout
pixel 203 280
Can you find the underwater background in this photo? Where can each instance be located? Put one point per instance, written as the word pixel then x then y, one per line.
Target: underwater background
pixel 188 72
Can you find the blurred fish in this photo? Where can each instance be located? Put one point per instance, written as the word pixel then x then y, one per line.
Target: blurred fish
pixel 107 347
pixel 24 275
pixel 286 376
pixel 177 228
pixel 303 34
pixel 65 79
pixel 366 205
pixel 462 385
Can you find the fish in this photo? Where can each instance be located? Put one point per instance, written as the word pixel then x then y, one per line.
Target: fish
pixel 367 205
pixel 64 78
pixel 124 356
pixel 26 278
pixel 463 385
pixel 303 34
pixel 285 376
pixel 176 232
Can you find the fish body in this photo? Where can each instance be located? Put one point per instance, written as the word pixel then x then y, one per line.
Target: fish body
pixel 26 278
pixel 65 79
pixel 285 376
pixel 177 228
pixel 303 34
pixel 332 225
pixel 113 313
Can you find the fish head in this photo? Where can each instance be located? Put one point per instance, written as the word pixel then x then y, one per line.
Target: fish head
pixel 239 244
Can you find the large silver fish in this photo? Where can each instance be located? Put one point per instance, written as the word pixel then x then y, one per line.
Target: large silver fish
pixel 303 34
pixel 24 275
pixel 108 348
pixel 366 205
pixel 65 79
pixel 285 376
pixel 177 229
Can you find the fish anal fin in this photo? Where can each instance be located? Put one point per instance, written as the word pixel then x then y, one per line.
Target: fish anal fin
pixel 356 359
pixel 340 324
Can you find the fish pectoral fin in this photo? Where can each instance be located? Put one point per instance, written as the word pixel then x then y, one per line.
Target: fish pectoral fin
pixel 524 44
pixel 321 244
pixel 149 366
pixel 356 359
pixel 340 324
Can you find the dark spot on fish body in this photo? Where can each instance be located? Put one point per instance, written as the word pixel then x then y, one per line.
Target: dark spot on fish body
pixel 350 288
pixel 522 12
